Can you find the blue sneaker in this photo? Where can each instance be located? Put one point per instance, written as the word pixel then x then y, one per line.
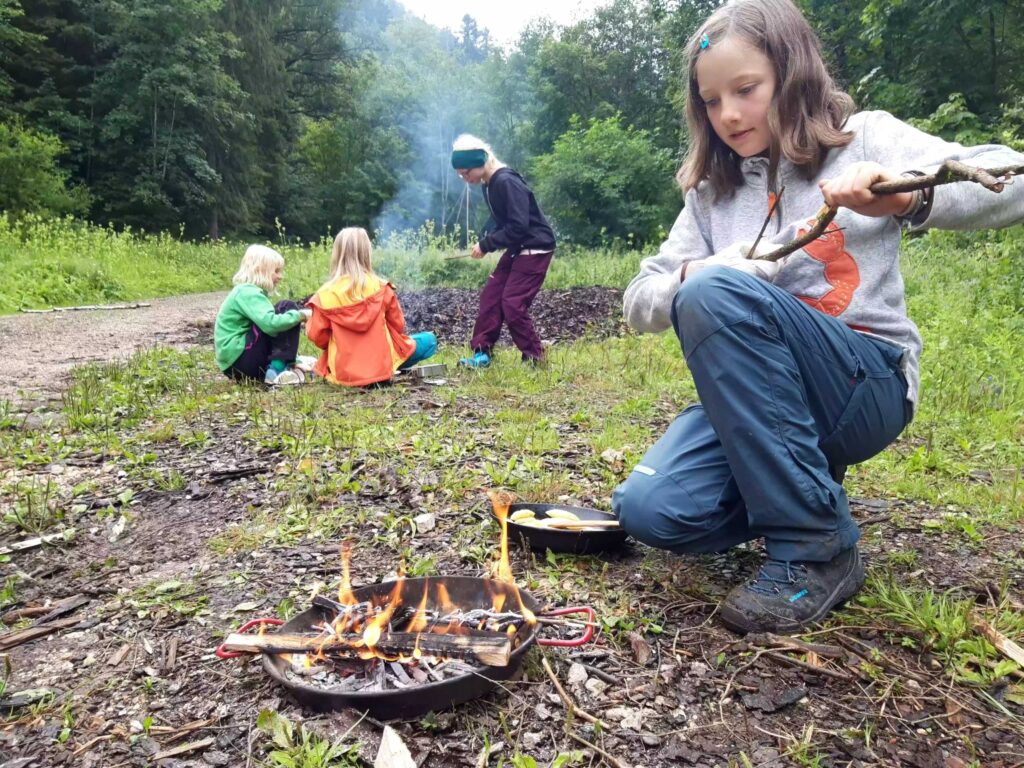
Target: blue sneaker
pixel 478 360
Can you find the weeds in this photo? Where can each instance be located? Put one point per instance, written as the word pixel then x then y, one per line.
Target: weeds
pixel 298 748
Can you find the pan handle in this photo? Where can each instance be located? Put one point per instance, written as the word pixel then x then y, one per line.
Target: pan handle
pixel 583 639
pixel 225 654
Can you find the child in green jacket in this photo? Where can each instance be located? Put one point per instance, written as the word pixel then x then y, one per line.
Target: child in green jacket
pixel 254 339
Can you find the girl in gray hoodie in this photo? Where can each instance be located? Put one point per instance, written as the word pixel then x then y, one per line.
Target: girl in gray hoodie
pixel 802 365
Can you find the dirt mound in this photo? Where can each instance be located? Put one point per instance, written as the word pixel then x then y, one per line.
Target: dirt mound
pixel 559 316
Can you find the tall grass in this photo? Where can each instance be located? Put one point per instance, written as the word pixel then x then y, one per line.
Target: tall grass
pixel 48 263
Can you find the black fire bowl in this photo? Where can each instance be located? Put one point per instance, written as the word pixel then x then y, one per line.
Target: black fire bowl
pixel 464 591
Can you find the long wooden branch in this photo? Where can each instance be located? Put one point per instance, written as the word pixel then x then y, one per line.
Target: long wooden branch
pixel 949 172
pixel 494 651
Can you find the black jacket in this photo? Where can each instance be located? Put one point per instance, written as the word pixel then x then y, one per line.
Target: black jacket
pixel 518 222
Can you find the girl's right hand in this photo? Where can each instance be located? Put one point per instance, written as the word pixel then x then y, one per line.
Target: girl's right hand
pixel 306 313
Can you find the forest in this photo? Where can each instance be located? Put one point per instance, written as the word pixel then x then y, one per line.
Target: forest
pixel 263 118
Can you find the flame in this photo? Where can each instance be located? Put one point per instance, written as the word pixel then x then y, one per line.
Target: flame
pixel 345 596
pixel 363 623
pixel 418 622
pixel 501 501
pixel 375 626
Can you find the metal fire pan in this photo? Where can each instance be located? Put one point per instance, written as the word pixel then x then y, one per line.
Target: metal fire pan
pixel 464 591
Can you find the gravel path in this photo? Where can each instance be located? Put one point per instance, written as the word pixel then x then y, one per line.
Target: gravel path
pixel 39 350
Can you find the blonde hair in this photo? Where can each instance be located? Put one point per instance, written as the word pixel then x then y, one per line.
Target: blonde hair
pixel 351 257
pixel 807 111
pixel 469 141
pixel 258 266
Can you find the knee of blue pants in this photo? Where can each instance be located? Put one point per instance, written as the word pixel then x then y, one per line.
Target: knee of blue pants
pixel 712 298
pixel 653 509
pixel 426 344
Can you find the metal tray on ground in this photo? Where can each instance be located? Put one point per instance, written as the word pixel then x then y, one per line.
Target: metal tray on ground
pixel 429 371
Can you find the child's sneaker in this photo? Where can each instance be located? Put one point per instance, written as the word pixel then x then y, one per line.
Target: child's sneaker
pixel 270 378
pixel 305 363
pixel 291 377
pixel 478 360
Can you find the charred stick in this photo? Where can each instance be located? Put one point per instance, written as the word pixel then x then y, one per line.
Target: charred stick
pixel 490 650
pixel 950 171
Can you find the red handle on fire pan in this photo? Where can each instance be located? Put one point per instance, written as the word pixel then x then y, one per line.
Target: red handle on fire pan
pixel 224 654
pixel 583 639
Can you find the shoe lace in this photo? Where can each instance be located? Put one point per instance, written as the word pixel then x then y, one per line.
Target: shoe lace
pixel 776 573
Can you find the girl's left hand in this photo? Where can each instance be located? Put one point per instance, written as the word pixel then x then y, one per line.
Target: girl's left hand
pixel 852 189
pixel 477 252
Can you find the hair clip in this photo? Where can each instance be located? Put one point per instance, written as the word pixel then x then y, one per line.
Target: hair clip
pixel 705 42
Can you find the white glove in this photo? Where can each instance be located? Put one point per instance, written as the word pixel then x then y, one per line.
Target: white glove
pixel 735 257
pixel 306 313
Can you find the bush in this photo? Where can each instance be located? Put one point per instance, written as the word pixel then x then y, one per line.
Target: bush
pixel 30 180
pixel 607 184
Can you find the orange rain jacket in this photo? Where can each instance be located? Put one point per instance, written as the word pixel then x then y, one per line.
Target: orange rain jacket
pixel 362 335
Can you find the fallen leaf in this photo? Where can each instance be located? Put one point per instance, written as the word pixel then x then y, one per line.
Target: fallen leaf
pixel 642 652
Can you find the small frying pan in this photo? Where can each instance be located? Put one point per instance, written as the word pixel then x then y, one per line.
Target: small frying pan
pixel 561 540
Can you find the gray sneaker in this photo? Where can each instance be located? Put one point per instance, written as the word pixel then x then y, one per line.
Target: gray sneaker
pixel 290 377
pixel 787 596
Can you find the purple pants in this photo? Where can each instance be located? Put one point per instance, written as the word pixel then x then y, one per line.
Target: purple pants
pixel 510 290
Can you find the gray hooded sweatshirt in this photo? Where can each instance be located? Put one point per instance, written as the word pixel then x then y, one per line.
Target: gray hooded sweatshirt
pixel 852 274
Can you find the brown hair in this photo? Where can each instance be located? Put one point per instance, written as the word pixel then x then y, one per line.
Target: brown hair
pixel 807 112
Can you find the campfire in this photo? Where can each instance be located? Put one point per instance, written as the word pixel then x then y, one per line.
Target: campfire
pixel 389 639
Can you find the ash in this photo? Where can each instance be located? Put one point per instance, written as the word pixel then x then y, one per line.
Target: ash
pixel 375 675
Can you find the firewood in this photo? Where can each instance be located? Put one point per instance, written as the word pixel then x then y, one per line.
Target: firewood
pixel 68 605
pixel 1001 642
pixel 184 749
pixel 494 651
pixel 14 639
pixel 35 541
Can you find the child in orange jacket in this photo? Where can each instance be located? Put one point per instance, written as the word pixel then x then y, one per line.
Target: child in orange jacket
pixel 357 320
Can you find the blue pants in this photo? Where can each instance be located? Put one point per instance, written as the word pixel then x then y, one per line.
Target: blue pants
pixel 426 347
pixel 786 393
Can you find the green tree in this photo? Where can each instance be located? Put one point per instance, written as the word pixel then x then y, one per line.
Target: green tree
pixel 616 61
pixel 169 113
pixel 31 180
pixel 606 182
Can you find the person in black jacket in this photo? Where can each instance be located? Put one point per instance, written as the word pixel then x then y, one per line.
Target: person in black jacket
pixel 517 227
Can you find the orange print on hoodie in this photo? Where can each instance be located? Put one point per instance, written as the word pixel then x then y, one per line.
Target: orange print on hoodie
pixel 841 272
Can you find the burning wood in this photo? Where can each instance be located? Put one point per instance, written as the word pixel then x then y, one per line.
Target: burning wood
pixel 487 649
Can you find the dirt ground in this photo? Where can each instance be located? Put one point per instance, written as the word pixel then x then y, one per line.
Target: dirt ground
pixel 131 679
pixel 41 349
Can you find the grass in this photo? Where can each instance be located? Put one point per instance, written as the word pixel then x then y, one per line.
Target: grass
pixel 541 433
pixel 65 262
